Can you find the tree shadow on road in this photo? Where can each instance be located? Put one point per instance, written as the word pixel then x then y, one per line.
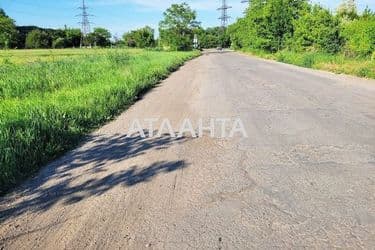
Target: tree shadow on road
pixel 65 180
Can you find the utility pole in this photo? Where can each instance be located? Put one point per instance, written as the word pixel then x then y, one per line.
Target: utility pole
pixel 224 18
pixel 85 23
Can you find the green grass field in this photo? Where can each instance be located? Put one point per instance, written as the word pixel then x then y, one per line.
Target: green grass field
pixel 38 55
pixel 340 64
pixel 49 99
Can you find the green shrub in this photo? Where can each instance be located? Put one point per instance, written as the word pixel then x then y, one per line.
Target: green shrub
pixel 308 61
pixel 59 43
pixel 38 39
pixel 318 29
pixel 280 57
pixel 268 25
pixel 360 37
pixel 363 72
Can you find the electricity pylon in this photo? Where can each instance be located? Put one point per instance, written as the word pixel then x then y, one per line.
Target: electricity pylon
pixel 224 14
pixel 85 23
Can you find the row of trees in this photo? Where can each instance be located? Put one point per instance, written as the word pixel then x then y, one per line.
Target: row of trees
pixel 7 30
pixel 177 30
pixel 33 37
pixel 273 25
pixel 65 38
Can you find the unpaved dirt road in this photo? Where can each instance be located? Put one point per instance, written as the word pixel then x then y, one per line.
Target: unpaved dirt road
pixel 304 177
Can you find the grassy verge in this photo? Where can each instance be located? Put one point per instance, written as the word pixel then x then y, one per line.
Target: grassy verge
pixel 22 56
pixel 340 64
pixel 46 107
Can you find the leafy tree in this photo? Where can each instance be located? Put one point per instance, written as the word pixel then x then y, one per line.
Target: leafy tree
pixel 23 31
pixel 368 14
pixel 59 43
pixel 37 39
pixel 360 36
pixel 68 37
pixel 8 31
pixel 65 38
pixel 176 29
pixel 55 33
pixel 212 37
pixel 141 38
pixel 240 34
pixel 73 37
pixel 129 40
pixel 273 25
pixel 100 37
pixel 268 25
pixel 317 29
pixel 348 10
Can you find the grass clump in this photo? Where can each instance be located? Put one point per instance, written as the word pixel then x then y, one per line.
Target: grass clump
pixel 46 107
pixel 337 63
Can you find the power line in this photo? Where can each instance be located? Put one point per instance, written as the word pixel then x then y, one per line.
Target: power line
pixel 245 1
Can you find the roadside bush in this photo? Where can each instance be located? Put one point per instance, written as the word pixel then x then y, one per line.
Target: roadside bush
pixel 268 25
pixel 308 61
pixel 317 29
pixel 360 37
pixel 363 72
pixel 300 59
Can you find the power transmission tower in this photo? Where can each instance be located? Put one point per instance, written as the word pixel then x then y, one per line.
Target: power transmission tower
pixel 224 20
pixel 85 23
pixel 224 14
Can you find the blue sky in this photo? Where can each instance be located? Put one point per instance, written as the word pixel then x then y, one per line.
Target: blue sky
pixel 120 16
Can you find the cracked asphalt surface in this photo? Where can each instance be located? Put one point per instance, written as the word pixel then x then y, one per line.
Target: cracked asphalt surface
pixel 304 177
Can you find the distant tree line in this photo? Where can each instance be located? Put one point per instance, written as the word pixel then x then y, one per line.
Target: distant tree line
pixel 176 32
pixel 213 37
pixel 269 25
pixel 298 25
pixel 180 25
pixel 32 37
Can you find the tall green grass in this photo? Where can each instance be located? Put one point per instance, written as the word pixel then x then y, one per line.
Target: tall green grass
pixel 46 107
pixel 340 64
